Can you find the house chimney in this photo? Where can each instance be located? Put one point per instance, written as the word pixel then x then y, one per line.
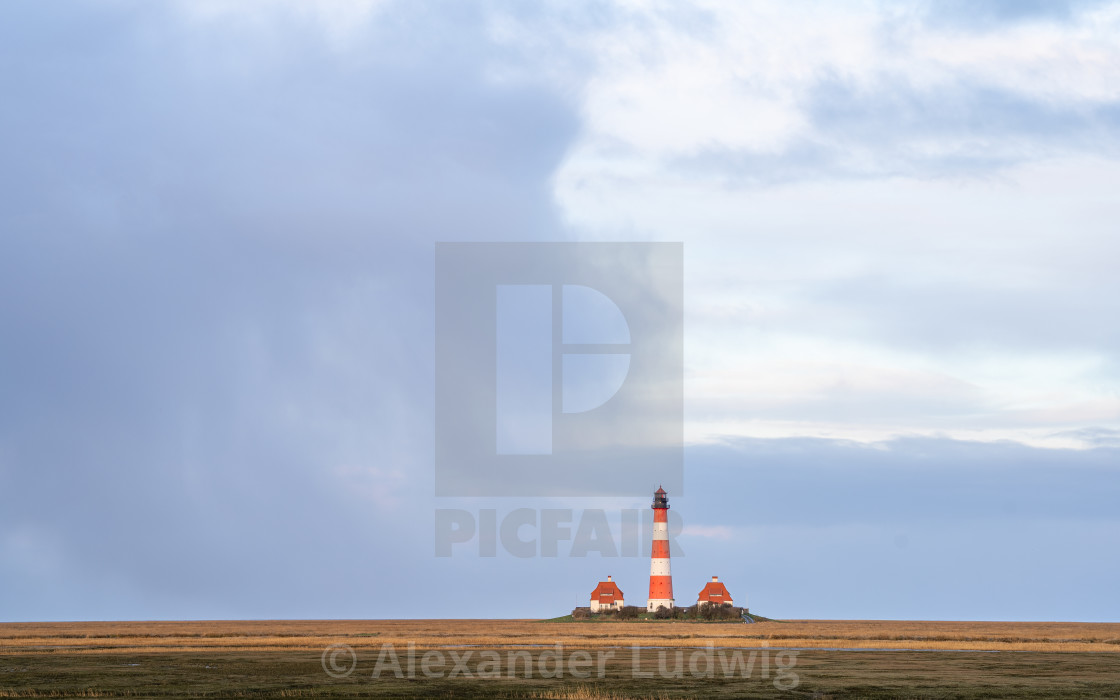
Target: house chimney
pixel 714 578
pixel 608 577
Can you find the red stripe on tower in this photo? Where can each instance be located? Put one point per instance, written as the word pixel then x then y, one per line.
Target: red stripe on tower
pixel 660 577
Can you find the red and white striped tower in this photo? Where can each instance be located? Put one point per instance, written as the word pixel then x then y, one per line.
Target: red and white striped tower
pixel 660 578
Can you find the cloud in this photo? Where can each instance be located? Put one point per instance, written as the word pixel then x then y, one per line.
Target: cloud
pixel 756 96
pixel 837 529
pixel 903 480
pixel 215 284
pixel 342 24
pixel 989 15
pixel 1099 437
pixel 897 129
pixel 216 293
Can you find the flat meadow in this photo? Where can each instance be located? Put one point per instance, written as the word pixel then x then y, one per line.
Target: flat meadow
pixel 552 659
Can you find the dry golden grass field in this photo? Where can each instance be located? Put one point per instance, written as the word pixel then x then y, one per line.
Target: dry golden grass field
pixel 518 658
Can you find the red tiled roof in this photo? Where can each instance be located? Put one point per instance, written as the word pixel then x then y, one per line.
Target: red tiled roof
pixel 606 592
pixel 715 592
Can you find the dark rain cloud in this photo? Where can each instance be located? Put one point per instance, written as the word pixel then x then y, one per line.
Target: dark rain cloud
pixel 216 291
pixel 955 529
pixel 906 480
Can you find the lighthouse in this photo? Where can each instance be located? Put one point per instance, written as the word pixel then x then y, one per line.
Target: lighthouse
pixel 660 578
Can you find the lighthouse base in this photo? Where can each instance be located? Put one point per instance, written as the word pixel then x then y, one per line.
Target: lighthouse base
pixel 654 604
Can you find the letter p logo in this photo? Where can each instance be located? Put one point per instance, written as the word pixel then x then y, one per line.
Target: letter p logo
pixel 558 368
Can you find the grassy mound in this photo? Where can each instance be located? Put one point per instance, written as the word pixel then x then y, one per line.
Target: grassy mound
pixel 702 613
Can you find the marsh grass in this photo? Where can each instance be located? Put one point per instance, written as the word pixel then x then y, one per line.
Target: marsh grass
pixel 145 637
pixel 588 692
pixel 283 658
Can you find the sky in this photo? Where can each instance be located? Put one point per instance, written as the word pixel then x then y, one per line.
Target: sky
pixel 217 235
